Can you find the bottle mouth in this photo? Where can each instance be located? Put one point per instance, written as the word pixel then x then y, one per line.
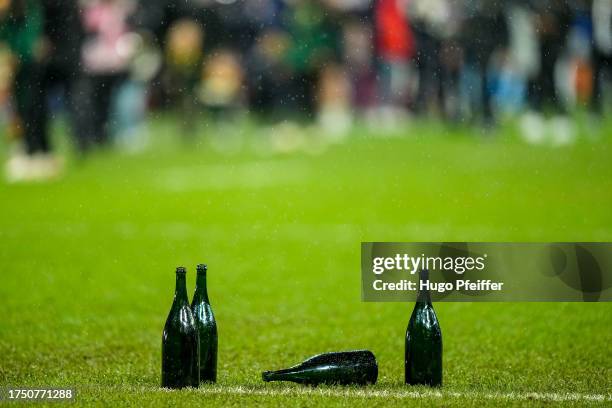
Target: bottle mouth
pixel 181 270
pixel 201 268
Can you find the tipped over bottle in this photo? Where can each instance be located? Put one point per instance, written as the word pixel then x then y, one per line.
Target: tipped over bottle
pixel 206 326
pixel 180 343
pixel 340 368
pixel 423 358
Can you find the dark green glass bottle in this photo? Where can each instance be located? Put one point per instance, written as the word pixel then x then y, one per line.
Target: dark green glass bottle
pixel 180 343
pixel 207 328
pixel 423 359
pixel 341 368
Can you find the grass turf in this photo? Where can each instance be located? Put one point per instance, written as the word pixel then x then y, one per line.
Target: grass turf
pixel 87 267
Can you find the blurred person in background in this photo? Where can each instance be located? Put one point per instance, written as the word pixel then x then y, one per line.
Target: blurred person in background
pixel 602 50
pixel 106 54
pixel 348 85
pixel 269 74
pixel 42 37
pixel 184 56
pixel 521 59
pixel 63 37
pixel 152 20
pixel 334 101
pixel 552 19
pixel 451 63
pixel 435 24
pixel 314 36
pixel 395 46
pixel 484 31
pixel 358 57
pixel 576 64
pixel 221 84
pixel 131 99
pixel 341 80
pixel 8 116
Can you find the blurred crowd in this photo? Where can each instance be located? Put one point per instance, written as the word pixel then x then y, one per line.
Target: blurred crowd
pixel 335 63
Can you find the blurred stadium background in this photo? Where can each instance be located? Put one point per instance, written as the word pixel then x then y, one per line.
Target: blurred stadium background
pixel 268 138
pixel 106 67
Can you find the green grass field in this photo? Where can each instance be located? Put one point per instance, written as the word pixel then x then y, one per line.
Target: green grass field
pixel 88 267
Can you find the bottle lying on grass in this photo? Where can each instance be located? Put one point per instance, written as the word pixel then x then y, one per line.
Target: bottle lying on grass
pixel 340 368
pixel 180 342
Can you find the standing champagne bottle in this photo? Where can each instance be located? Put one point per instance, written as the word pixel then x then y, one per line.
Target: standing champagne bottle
pixel 207 328
pixel 423 359
pixel 342 368
pixel 180 344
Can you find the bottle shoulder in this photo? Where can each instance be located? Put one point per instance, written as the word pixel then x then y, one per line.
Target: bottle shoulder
pixel 424 317
pixel 202 308
pixel 204 316
pixel 180 318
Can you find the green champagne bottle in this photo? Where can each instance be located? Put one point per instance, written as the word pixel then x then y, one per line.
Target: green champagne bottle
pixel 207 328
pixel 341 368
pixel 180 343
pixel 423 359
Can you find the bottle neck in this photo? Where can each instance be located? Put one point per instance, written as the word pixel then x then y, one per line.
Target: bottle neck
pixel 424 295
pixel 180 293
pixel 201 289
pixel 279 375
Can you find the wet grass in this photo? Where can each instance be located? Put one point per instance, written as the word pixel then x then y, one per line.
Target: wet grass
pixel 87 263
